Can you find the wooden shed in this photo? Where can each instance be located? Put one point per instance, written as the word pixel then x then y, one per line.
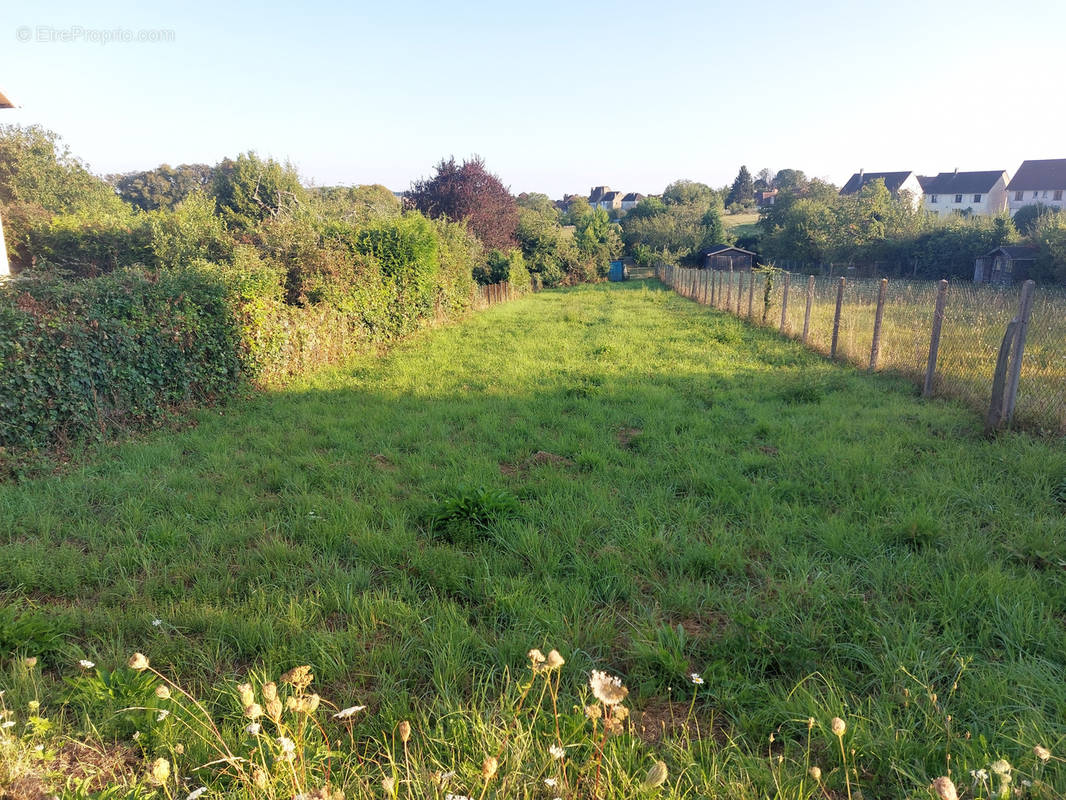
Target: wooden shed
pixel 1004 265
pixel 724 256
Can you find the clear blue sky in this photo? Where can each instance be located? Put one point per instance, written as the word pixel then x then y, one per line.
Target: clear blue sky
pixel 555 96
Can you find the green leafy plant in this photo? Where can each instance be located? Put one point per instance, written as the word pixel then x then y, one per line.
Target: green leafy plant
pixel 471 510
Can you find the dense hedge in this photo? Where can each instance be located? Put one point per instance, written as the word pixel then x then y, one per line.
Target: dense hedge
pixel 84 356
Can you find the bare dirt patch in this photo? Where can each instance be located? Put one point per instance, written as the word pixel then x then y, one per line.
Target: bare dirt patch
pixel 660 719
pixel 94 767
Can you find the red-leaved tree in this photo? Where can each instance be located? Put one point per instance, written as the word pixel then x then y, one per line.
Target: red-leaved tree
pixel 471 193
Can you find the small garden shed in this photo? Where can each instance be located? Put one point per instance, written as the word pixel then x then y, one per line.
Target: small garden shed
pixel 1004 265
pixel 724 256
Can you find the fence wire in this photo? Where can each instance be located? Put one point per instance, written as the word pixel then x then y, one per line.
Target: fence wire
pixel 974 322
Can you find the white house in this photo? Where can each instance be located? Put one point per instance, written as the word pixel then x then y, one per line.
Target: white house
pixel 900 184
pixel 983 194
pixel 631 200
pixel 1038 181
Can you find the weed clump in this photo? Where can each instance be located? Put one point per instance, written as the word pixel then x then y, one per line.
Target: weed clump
pixel 471 513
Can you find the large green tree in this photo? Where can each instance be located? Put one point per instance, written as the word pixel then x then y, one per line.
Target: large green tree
pixel 743 191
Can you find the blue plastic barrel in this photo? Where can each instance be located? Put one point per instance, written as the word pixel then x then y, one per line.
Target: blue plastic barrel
pixel 617 272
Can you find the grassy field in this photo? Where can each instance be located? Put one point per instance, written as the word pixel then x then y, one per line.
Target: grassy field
pixel 652 487
pixel 744 224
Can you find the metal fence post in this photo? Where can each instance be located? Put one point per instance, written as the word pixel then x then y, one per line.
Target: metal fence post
pixel 934 339
pixel 1025 310
pixel 875 348
pixel 836 317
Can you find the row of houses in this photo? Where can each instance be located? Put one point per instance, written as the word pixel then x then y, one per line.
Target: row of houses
pixel 979 193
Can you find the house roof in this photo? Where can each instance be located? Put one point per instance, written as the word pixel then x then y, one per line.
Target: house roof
pixel 961 182
pixel 632 197
pixel 597 193
pixel 4 102
pixel 610 195
pixel 1047 173
pixel 893 180
pixel 718 249
pixel 1015 252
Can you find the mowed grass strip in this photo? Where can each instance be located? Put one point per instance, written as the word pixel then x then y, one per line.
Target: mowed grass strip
pixel 695 495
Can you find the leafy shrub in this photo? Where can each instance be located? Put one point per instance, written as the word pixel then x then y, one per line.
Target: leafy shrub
pixel 81 357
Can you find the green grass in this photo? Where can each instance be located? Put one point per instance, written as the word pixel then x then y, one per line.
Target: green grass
pixel 744 224
pixel 723 501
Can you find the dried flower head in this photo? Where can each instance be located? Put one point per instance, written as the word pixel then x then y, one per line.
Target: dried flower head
pixel 388 783
pixel 288 748
pixel 607 689
pixel 489 767
pixel 246 693
pixel 273 709
pixel 179 748
pixel 405 731
pixel 1001 767
pixel 945 789
pixel 555 661
pixel 162 692
pixel 838 726
pixel 816 773
pixel 536 658
pixel 253 711
pixel 270 691
pixel 259 778
pixel 656 775
pixel 1042 753
pixel 298 677
pixel 594 711
pixel 30 662
pixel 253 729
pixel 159 772
pixel 138 662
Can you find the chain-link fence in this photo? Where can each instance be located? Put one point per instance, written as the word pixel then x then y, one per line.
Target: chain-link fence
pixel 974 321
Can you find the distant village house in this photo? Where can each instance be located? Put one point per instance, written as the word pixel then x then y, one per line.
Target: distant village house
pixel 981 194
pixel 1038 181
pixel 900 184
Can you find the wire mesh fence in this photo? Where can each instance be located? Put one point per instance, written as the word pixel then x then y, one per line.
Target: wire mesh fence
pixel 839 317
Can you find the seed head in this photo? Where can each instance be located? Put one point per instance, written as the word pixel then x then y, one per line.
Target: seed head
pixel 816 773
pixel 607 689
pixel 555 661
pixel 405 731
pixel 159 772
pixel 162 692
pixel 1042 753
pixel 138 662
pixel 270 691
pixel 259 778
pixel 298 677
pixel 536 658
pixel 489 767
pixel 388 783
pixel 273 709
pixel 1001 767
pixel 595 711
pixel 253 711
pixel 656 775
pixel 838 726
pixel 945 789
pixel 30 662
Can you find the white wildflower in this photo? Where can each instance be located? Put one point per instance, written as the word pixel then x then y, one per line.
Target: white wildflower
pixel 253 729
pixel 556 752
pixel 196 793
pixel 696 679
pixel 155 624
pixel 550 782
pixel 9 724
pixel 86 664
pixel 351 711
pixel 162 715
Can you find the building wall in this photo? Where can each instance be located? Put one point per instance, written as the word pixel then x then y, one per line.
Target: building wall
pixel 1032 197
pixel 992 203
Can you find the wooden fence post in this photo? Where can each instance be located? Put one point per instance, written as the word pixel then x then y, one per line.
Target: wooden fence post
pixel 1025 310
pixel 875 348
pixel 807 313
pixel 994 418
pixel 784 301
pixel 751 293
pixel 729 288
pixel 740 291
pixel 706 288
pixel 836 317
pixel 934 338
